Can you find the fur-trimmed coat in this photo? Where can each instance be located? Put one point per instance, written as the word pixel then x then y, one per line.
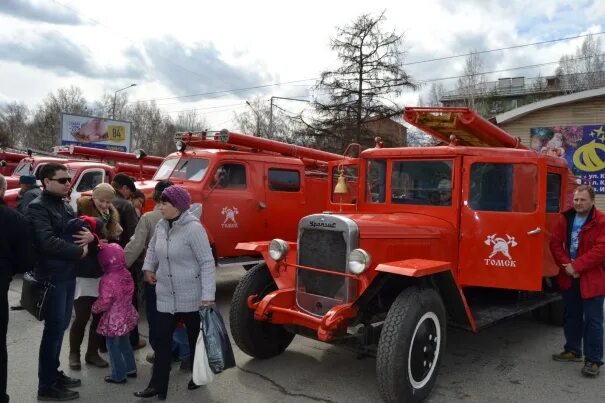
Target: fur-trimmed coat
pixel 87 207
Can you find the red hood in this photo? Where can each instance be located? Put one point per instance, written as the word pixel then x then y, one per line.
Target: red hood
pixel 12 182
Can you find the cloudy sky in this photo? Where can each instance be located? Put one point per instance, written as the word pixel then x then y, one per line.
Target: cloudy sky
pixel 212 56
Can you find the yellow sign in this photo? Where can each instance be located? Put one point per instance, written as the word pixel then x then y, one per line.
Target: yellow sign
pixel 117 134
pixel 586 158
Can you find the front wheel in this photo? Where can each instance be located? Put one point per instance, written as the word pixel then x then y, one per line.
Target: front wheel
pixel 411 344
pixel 256 338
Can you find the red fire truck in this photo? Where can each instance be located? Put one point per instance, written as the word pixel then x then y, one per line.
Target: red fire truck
pixel 86 174
pixel 250 188
pixel 455 234
pixel 9 160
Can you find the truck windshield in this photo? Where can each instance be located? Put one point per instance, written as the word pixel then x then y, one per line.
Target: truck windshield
pixel 23 168
pixel 192 169
pixel 422 182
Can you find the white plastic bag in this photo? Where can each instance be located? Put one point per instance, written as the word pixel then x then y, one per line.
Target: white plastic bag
pixel 202 374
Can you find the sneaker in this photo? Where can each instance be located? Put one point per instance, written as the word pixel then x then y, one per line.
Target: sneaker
pixel 74 361
pixel 186 365
pixel 57 394
pixel 150 358
pixel 567 356
pixel 96 360
pixel 590 369
pixel 64 381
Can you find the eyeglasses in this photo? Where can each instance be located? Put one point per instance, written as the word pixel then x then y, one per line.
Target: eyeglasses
pixel 62 181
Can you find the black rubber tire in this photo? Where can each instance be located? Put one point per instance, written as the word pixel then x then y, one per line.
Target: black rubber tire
pixel 248 267
pixel 551 313
pixel 407 334
pixel 258 339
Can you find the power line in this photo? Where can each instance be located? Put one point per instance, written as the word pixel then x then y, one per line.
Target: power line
pixel 501 49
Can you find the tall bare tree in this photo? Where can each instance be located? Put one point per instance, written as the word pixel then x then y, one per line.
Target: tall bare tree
pixel 45 127
pixel 13 124
pixel 585 69
pixel 367 81
pixel 472 83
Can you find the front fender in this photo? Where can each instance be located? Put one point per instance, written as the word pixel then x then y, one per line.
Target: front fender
pixel 414 267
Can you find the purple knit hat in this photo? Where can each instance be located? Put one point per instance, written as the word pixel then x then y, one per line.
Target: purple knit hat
pixel 178 196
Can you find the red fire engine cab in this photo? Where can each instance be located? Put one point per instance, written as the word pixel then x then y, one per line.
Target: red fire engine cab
pixel 455 234
pixel 9 160
pixel 250 188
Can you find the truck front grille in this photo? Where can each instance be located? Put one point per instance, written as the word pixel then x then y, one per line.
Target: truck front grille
pixel 324 242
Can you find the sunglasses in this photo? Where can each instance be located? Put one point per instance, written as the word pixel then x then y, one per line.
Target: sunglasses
pixel 62 181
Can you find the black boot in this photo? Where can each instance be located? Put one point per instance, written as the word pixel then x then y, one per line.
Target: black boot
pixel 57 394
pixel 64 381
pixel 151 392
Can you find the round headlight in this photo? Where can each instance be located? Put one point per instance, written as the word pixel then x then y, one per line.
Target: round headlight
pixel 278 249
pixel 359 261
pixel 139 154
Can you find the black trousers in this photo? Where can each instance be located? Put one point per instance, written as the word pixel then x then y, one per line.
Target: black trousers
pixel 166 323
pixel 3 329
pixel 134 333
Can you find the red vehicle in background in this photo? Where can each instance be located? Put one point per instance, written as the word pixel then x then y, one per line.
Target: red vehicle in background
pixel 30 166
pixel 9 160
pixel 86 174
pixel 454 234
pixel 250 188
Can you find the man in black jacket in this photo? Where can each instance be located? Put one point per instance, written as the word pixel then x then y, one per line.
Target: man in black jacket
pixel 124 187
pixel 14 258
pixel 29 191
pixel 48 216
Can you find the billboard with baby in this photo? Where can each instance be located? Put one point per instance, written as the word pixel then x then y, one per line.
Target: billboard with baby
pixel 95 132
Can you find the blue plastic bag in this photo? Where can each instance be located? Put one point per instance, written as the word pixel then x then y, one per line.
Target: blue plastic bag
pixel 216 340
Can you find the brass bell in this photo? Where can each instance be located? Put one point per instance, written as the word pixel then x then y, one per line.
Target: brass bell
pixel 341 185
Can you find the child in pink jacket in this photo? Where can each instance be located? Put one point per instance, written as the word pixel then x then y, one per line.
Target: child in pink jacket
pixel 119 315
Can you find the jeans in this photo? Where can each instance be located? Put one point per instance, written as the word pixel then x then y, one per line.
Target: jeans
pixel 56 321
pixel 151 312
pixel 163 348
pixel 180 343
pixel 121 357
pixel 4 283
pixel 583 323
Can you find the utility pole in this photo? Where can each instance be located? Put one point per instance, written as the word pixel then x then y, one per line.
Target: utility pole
pixel 271 111
pixel 113 109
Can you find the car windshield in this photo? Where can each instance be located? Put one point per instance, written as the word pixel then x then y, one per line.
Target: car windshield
pixel 192 169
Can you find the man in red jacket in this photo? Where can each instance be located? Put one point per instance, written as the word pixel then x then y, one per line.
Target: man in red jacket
pixel 578 246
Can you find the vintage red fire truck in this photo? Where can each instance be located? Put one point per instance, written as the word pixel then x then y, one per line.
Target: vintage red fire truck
pixel 9 160
pixel 250 188
pixel 86 174
pixel 455 234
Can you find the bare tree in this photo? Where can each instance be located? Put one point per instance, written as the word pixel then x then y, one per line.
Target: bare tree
pixel 363 87
pixel 44 130
pixel 585 69
pixel 472 84
pixel 13 124
pixel 149 128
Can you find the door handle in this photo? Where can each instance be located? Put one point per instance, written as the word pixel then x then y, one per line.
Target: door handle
pixel 261 205
pixel 534 231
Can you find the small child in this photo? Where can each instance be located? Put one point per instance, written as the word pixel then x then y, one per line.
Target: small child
pixel 119 315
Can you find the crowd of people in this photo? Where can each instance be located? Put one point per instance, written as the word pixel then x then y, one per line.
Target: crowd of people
pixel 96 270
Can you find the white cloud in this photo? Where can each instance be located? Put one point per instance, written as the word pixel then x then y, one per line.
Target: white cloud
pixel 186 47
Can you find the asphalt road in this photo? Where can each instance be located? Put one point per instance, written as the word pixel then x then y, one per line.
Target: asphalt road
pixel 509 362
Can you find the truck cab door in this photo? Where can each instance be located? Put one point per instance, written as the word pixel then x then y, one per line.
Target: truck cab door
pixel 230 207
pixel 85 182
pixel 503 223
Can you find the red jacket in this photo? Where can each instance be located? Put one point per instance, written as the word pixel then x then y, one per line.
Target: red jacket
pixel 590 259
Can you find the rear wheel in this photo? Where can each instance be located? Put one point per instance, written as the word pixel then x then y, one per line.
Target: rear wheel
pixel 411 345
pixel 256 338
